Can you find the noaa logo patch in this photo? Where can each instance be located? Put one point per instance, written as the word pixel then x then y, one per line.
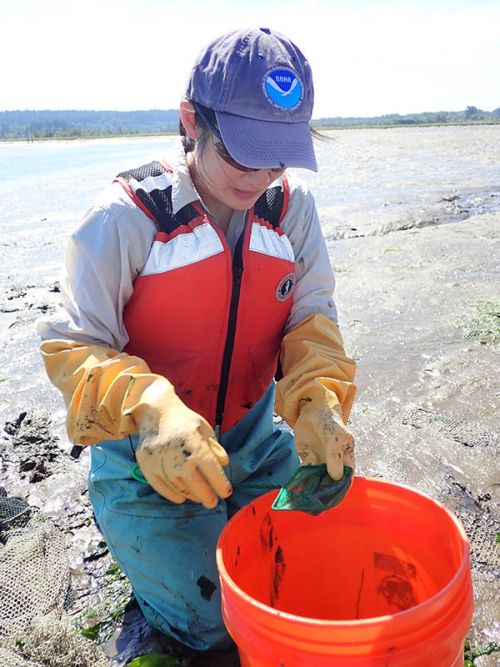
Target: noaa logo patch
pixel 285 287
pixel 283 88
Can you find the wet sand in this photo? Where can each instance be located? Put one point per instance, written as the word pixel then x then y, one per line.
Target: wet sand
pixel 427 408
pixel 426 413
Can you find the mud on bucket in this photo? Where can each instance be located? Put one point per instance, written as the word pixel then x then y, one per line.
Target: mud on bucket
pixel 383 580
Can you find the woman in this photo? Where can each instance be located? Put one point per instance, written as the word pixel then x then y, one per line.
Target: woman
pixel 187 283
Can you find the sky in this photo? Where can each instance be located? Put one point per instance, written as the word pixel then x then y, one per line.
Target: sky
pixel 368 57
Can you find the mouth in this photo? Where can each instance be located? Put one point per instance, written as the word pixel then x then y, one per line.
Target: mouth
pixel 246 194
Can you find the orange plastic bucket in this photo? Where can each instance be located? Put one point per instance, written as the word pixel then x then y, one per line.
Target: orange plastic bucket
pixel 382 580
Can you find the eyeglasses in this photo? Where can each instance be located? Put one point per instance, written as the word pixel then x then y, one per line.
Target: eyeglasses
pixel 224 154
pixel 208 117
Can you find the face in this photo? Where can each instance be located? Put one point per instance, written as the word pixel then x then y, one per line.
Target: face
pixel 218 180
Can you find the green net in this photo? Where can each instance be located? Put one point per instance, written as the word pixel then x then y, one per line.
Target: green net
pixel 312 490
pixel 34 579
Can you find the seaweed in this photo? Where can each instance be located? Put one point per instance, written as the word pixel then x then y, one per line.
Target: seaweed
pixel 470 654
pixel 484 323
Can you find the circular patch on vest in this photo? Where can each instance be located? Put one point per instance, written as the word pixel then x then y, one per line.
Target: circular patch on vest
pixel 285 287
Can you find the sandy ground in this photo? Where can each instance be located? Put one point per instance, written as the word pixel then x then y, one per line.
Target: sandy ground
pixel 427 408
pixel 426 412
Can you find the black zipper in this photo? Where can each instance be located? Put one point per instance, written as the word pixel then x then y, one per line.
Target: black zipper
pixel 231 331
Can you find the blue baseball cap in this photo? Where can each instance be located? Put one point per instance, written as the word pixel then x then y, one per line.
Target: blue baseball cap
pixel 260 87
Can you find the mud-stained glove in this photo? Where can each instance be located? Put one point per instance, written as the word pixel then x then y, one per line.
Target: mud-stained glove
pixel 316 393
pixel 178 453
pixel 110 394
pixel 95 381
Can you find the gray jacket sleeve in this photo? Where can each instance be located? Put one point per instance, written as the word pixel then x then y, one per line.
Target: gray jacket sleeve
pixel 103 258
pixel 315 281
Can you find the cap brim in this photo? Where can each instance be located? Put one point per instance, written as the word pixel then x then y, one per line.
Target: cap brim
pixel 265 144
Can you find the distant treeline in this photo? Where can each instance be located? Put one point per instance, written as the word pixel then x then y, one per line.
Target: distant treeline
pixel 470 115
pixel 31 125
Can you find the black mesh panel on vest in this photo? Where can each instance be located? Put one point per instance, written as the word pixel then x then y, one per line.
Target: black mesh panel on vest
pixel 158 201
pixel 269 205
pixel 185 215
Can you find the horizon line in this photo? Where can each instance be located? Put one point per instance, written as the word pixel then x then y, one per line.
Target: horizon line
pixel 314 118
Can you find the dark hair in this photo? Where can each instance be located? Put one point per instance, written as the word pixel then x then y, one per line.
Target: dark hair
pixel 317 135
pixel 187 143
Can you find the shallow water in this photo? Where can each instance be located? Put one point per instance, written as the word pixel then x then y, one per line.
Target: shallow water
pixel 411 217
pixel 401 166
pixel 369 182
pixel 378 181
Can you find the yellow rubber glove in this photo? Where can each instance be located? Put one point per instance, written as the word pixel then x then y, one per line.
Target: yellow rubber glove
pixel 316 393
pixel 178 452
pixel 110 394
pixel 94 381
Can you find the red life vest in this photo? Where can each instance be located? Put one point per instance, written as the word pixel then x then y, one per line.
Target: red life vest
pixel 209 322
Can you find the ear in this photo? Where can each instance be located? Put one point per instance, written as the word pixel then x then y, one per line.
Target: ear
pixel 188 119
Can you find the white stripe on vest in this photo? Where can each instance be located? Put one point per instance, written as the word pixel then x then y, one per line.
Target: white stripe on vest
pixel 182 250
pixel 269 242
pixel 151 183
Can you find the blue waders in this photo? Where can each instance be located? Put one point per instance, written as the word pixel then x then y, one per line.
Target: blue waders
pixel 168 551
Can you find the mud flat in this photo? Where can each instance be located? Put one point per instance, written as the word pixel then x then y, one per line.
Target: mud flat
pixel 419 309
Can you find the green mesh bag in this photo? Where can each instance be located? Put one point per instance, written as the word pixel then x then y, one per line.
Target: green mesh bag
pixel 312 490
